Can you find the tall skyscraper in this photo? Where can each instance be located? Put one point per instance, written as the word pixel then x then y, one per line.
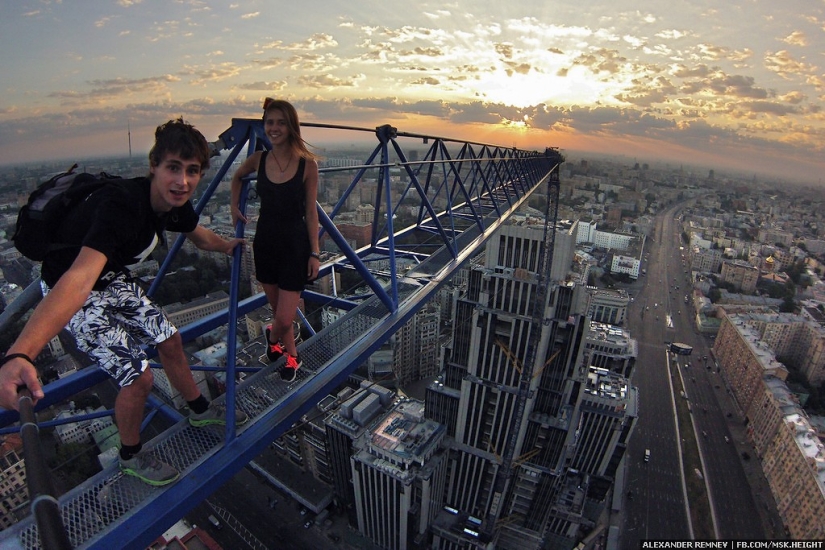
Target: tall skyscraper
pixel 528 452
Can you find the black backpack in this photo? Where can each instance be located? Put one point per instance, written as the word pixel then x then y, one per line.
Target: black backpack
pixel 39 220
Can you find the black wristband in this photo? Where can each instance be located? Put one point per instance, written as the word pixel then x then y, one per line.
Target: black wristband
pixel 11 356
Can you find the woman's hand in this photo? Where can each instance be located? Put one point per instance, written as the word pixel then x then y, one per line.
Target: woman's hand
pixel 237 215
pixel 313 267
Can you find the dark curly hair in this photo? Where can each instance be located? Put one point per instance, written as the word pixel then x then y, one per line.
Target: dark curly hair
pixel 181 138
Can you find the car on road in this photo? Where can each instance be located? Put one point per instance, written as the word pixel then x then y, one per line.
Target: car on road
pixel 216 523
pixel 647 455
pixel 308 524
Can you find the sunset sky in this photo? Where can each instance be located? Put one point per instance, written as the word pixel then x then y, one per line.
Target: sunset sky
pixel 705 82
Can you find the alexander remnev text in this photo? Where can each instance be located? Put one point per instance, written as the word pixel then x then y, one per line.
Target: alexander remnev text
pixel 732 544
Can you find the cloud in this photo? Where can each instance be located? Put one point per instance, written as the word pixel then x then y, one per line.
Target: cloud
pixel 794 97
pixel 796 38
pixel 699 70
pixel 518 68
pixel 720 84
pixel 426 81
pixel 422 52
pixel 504 50
pixel 263 85
pixel 602 60
pixel 217 73
pixel 103 90
pixel 649 92
pixel 717 53
pixel 785 65
pixel 325 81
pixel 751 109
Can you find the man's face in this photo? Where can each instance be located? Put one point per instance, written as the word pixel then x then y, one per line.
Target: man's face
pixel 173 181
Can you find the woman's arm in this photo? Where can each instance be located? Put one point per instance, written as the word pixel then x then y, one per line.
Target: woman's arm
pixel 311 215
pixel 247 167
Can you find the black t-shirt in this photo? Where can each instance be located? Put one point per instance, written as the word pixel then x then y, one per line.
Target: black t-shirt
pixel 118 221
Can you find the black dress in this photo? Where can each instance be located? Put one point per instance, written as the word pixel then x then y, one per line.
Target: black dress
pixel 281 245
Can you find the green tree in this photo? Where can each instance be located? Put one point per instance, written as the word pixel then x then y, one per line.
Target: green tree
pixel 75 462
pixel 788 305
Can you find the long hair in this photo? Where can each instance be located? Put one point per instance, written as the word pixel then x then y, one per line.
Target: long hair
pixel 294 139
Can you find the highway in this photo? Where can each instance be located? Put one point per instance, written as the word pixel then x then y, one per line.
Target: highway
pixel 655 507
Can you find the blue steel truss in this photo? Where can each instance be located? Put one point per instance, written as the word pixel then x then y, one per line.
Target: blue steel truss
pixel 460 193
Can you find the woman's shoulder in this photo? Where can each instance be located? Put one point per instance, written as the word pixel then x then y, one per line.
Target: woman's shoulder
pixel 310 164
pixel 251 162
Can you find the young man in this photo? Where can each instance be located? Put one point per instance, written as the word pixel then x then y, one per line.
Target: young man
pixel 87 289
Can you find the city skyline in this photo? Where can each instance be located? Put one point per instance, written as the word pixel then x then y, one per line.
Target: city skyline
pixel 728 87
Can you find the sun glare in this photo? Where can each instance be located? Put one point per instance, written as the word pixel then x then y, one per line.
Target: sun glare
pixel 578 87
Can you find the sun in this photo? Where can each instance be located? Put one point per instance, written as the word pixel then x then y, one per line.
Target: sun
pixel 577 87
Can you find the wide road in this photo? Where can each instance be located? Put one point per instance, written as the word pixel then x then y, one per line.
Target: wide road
pixel 659 314
pixel 654 506
pixel 714 414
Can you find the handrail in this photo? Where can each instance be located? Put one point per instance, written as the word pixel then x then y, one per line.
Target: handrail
pixel 42 496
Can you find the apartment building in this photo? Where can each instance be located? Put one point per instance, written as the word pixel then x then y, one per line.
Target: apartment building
pixel 81 431
pixel 793 338
pixel 741 274
pixel 794 466
pixel 744 359
pixel 13 492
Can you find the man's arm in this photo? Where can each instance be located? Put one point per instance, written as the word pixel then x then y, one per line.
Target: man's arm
pixel 48 319
pixel 206 239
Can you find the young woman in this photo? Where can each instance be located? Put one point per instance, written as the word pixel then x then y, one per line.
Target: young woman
pixel 286 240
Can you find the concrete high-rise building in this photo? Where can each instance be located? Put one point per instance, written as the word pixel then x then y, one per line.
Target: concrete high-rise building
pixel 415 346
pixel 607 305
pixel 515 439
pixel 398 473
pixel 611 347
pixel 609 407
pixel 347 423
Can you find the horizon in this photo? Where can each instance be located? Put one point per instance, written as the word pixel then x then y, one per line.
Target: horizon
pixel 733 87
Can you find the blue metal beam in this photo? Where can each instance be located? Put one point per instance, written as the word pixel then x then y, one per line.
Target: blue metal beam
pixel 461 197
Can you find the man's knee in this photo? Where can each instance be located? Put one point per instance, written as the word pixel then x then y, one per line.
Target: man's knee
pixel 142 384
pixel 171 346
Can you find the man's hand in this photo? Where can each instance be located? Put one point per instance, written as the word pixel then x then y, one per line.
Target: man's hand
pixel 14 374
pixel 231 244
pixel 206 239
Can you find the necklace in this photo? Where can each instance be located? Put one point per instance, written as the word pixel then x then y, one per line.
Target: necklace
pixel 285 168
